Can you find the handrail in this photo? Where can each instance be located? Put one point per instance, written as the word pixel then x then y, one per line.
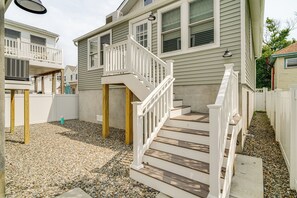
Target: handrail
pixel 31 51
pixel 221 115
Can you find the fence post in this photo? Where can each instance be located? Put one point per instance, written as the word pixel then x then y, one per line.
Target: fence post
pixel 277 103
pixel 265 98
pixel 293 138
pixel 137 137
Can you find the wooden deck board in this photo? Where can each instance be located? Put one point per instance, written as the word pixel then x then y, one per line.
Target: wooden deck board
pixel 184 130
pixel 193 117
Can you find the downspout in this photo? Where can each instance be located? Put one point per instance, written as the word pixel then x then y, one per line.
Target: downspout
pixel 272 77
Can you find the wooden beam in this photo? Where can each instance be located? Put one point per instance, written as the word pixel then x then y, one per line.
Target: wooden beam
pixel 12 110
pixel 54 87
pixel 42 85
pixel 105 111
pixel 26 117
pixel 129 116
pixel 62 81
pixel 36 84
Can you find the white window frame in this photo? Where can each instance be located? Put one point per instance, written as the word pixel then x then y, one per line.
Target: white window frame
pixel 185 37
pixel 99 48
pixel 286 63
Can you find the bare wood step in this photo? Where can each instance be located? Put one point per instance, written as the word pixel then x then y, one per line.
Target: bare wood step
pixel 183 183
pixel 180 107
pixel 188 145
pixel 184 130
pixel 182 161
pixel 193 117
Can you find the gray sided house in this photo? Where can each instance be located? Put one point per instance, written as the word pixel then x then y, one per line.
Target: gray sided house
pixel 195 34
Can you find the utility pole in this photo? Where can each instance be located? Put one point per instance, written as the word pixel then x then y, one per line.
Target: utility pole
pixel 2 102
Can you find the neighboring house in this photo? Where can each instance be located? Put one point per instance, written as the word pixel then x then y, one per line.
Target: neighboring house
pixel 31 52
pixel 71 78
pixel 149 48
pixel 284 68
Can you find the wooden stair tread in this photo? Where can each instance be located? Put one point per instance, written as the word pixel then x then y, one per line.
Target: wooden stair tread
pixel 184 130
pixel 183 183
pixel 182 161
pixel 189 145
pixel 180 107
pixel 193 117
pixel 184 144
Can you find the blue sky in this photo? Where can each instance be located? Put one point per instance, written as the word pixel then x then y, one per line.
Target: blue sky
pixel 73 18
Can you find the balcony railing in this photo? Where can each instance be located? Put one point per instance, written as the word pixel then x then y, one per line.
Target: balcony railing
pixel 19 49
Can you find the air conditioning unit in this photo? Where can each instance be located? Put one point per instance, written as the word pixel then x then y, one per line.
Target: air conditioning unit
pixel 16 69
pixel 113 16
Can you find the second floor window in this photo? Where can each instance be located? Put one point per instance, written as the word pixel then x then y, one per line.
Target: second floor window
pixel 38 40
pixel 147 2
pixel 76 76
pixel 71 77
pixel 12 34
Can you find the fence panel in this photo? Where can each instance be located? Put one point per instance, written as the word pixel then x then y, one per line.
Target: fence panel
pixel 260 100
pixel 43 108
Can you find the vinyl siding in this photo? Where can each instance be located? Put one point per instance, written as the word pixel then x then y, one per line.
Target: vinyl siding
pixel 207 67
pixel 91 80
pixel 250 67
pixel 197 68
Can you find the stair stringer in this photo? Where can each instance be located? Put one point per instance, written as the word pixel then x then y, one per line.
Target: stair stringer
pixel 131 81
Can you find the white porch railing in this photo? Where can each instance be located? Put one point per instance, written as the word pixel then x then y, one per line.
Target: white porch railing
pixel 19 49
pixel 221 115
pixel 131 57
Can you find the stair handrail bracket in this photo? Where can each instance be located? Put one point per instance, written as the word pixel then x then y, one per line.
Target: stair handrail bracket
pixel 220 117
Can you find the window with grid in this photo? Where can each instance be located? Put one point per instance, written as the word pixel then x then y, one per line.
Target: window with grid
pixel 93 53
pixel 12 34
pixel 291 62
pixel 201 23
pixel 171 30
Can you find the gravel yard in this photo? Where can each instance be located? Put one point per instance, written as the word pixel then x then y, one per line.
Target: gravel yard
pixel 261 143
pixel 60 158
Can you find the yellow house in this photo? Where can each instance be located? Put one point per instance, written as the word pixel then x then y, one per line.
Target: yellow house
pixel 284 72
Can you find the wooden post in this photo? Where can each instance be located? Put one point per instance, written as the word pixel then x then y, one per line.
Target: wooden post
pixel 54 83
pixel 105 111
pixel 36 84
pixel 62 81
pixel 129 116
pixel 42 84
pixel 26 117
pixel 12 110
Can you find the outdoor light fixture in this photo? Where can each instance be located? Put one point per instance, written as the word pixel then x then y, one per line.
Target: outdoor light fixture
pixel 151 17
pixel 227 54
pixel 33 6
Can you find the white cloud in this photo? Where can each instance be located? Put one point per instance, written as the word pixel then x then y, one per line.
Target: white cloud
pixel 68 18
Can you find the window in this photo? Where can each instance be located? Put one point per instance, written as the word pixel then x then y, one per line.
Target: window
pixel 38 40
pixel 76 76
pixel 171 31
pixel 71 77
pixel 64 78
pixel 58 78
pixel 147 2
pixel 188 26
pixel 96 50
pixel 12 34
pixel 201 23
pixel 291 62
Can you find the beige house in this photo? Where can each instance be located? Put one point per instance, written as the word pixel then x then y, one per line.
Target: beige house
pixel 284 71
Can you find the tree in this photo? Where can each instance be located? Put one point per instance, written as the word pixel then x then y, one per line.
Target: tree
pixel 275 39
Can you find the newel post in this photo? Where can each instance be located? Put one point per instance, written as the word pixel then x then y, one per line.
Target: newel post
pixel 129 53
pixel 137 136
pixel 214 151
pixel 293 138
pixel 106 59
pixel 170 72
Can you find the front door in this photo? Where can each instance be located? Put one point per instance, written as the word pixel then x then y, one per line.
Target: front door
pixel 142 33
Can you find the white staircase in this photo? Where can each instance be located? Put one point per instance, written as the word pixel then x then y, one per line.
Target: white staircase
pixel 175 151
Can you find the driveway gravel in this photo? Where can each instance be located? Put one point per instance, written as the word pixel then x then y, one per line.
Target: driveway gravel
pixel 60 158
pixel 261 143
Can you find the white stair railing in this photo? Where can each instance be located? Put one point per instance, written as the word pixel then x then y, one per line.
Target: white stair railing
pixel 221 115
pixel 31 51
pixel 131 57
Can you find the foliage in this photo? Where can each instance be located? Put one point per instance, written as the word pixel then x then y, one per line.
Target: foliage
pixel 275 39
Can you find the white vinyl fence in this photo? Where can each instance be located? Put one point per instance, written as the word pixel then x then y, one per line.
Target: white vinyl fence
pixel 281 109
pixel 43 108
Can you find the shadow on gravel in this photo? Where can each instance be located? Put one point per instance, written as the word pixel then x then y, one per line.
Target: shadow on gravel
pixel 91 133
pixel 261 143
pixel 112 180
